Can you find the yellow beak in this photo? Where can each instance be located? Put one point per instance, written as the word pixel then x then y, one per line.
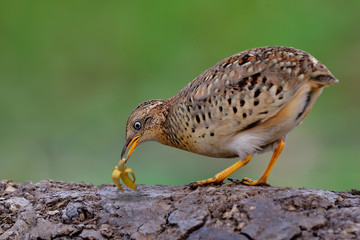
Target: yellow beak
pixel 132 144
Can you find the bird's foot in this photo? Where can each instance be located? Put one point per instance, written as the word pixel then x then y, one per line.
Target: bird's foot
pixel 221 176
pixel 249 182
pixel 122 172
pixel 207 182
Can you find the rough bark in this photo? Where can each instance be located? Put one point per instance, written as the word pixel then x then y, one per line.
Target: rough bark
pixel 61 210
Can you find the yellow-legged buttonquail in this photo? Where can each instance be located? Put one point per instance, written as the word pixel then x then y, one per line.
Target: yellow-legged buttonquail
pixel 243 105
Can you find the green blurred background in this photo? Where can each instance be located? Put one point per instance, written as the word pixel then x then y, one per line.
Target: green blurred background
pixel 72 71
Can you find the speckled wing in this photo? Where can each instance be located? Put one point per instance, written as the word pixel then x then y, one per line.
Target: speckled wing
pixel 244 89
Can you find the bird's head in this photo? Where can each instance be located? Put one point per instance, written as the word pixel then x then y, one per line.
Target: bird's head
pixel 144 124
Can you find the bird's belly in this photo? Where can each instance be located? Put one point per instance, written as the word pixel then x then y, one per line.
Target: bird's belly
pixel 218 149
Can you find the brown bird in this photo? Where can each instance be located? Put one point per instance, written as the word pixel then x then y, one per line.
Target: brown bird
pixel 243 105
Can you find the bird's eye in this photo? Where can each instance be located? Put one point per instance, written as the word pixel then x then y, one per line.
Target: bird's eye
pixel 137 125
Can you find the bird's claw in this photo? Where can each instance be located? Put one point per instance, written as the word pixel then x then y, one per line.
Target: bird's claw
pixel 122 172
pixel 249 182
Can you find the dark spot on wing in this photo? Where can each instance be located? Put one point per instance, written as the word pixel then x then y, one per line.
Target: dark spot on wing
pixel 254 79
pixel 242 83
pixel 279 90
pixel 198 118
pixel 257 93
pixel 264 80
pixel 270 86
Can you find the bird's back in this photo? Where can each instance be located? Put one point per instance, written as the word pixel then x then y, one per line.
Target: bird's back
pixel 242 93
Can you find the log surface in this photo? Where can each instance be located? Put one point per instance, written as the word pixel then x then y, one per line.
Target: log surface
pixel 62 210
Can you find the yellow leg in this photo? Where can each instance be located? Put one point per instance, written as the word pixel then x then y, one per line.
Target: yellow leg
pixel 218 178
pixel 262 181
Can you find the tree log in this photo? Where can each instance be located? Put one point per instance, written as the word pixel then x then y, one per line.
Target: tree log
pixel 62 210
